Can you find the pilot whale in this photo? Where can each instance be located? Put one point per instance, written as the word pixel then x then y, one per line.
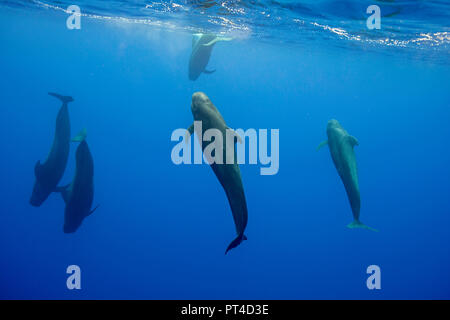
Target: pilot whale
pixel 202 45
pixel 341 146
pixel 228 174
pixel 49 173
pixel 79 195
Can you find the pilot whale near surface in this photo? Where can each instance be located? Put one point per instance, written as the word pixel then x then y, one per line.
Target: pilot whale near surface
pixel 202 45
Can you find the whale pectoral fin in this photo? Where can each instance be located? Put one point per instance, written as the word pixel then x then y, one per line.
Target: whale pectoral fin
pixel 93 210
pixel 353 141
pixel 37 169
pixel 235 134
pixel 64 192
pixel 189 133
pixel 239 139
pixel 322 144
pixel 209 71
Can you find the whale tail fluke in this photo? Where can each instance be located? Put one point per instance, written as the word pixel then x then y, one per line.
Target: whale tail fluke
pixel 64 99
pixel 236 242
pixel 81 136
pixel 358 224
pixel 215 40
pixel 225 39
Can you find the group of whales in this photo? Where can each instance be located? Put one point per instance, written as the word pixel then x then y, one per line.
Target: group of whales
pixel 340 143
pixel 79 194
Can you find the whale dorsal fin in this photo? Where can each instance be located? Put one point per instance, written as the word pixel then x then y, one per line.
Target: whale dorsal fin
pixel 64 192
pixel 353 141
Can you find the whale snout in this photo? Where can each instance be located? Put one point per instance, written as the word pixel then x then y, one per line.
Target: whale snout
pixel 333 123
pixel 193 74
pixel 67 229
pixel 39 195
pixel 35 202
pixel 198 99
pixel 70 227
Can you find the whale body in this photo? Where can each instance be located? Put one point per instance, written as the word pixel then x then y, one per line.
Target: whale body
pixel 49 173
pixel 341 146
pixel 229 175
pixel 79 195
pixel 202 45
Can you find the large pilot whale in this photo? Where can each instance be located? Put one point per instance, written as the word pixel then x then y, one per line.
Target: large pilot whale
pixel 228 174
pixel 51 171
pixel 202 45
pixel 341 146
pixel 79 195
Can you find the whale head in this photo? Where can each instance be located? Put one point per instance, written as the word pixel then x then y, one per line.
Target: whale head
pixel 201 105
pixel 39 195
pixel 72 220
pixel 333 123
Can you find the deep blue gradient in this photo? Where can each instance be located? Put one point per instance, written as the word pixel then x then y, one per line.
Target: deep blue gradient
pixel 161 230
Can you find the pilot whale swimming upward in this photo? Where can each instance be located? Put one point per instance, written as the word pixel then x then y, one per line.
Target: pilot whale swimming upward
pixel 341 146
pixel 202 45
pixel 51 171
pixel 79 195
pixel 228 175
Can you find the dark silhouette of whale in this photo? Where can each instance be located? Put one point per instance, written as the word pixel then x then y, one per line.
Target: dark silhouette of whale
pixel 51 171
pixel 228 175
pixel 202 45
pixel 79 195
pixel 341 146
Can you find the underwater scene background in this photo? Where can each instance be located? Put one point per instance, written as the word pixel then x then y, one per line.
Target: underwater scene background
pixel 161 230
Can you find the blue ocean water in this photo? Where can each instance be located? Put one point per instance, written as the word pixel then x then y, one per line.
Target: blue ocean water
pixel 161 229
